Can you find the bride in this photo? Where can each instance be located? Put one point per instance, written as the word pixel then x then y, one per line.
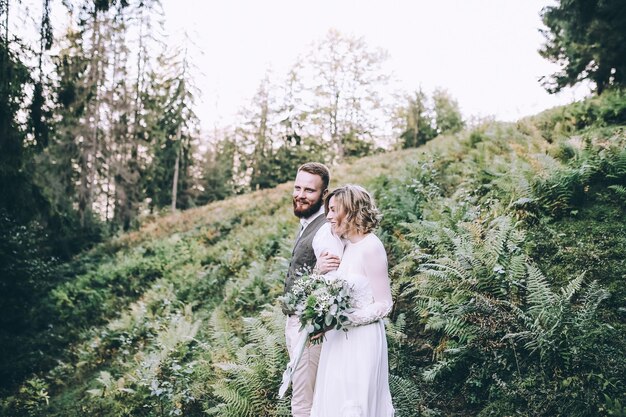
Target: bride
pixel 353 373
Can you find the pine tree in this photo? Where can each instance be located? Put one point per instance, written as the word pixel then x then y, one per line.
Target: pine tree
pixel 218 166
pixel 257 135
pixel 173 134
pixel 147 15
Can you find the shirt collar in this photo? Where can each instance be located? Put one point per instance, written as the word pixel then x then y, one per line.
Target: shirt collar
pixel 305 222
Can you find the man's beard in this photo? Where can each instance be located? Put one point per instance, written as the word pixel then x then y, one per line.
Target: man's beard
pixel 305 213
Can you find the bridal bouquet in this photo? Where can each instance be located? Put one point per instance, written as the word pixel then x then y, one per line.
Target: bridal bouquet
pixel 321 302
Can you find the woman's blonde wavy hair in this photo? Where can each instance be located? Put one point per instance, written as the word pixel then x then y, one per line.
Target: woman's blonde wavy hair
pixel 357 207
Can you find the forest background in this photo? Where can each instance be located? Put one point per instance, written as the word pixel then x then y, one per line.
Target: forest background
pixel 107 289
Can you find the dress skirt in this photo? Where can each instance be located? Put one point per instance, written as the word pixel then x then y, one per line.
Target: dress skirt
pixel 353 374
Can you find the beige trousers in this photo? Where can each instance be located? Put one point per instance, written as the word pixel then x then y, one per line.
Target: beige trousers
pixel 303 379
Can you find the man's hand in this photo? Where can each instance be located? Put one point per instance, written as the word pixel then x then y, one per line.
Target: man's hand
pixel 327 262
pixel 317 336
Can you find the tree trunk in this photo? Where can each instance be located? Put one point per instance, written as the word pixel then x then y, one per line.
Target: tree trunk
pixel 177 163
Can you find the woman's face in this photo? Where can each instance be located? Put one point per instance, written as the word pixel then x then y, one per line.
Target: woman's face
pixel 336 216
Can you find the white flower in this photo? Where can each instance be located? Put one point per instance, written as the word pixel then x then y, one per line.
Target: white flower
pixel 320 301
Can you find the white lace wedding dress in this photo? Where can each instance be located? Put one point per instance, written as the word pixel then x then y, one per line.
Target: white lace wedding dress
pixel 353 373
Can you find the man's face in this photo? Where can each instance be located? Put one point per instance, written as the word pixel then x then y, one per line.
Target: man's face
pixel 307 194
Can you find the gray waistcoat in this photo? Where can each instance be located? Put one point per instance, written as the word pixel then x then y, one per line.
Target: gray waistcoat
pixel 302 256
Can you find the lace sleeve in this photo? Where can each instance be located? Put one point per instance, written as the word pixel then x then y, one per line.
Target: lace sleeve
pixel 375 263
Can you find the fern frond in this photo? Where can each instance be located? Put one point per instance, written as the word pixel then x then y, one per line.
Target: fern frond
pixel 619 164
pixel 556 192
pixel 430 374
pixel 540 296
pixel 445 269
pixel 234 403
pixel 620 191
pixel 572 287
pixel 251 381
pixel 406 395
pixel 475 230
pixel 517 269
pixel 495 241
pixel 424 306
pixel 590 300
pixel 517 336
pixel 516 239
pixel 459 328
pixel 222 336
pixel 435 322
pixel 395 330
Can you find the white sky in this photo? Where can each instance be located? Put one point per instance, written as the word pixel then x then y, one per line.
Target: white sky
pixel 484 52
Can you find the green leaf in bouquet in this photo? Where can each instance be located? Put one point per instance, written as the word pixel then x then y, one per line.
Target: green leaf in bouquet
pixel 311 301
pixel 329 318
pixel 332 311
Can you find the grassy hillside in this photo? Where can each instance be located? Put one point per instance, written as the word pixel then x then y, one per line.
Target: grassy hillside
pixel 507 244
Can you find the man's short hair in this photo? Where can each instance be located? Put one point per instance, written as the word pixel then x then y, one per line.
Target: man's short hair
pixel 318 169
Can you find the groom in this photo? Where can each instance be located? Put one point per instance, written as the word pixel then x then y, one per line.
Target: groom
pixel 317 247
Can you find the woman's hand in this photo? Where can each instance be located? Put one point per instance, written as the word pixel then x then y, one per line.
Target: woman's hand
pixel 327 262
